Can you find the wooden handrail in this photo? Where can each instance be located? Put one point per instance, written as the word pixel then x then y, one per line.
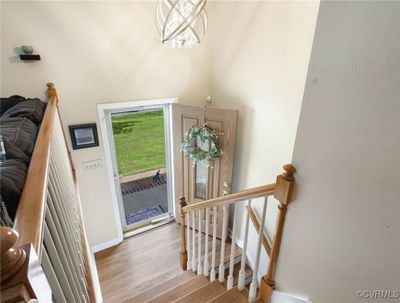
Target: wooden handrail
pixel 252 193
pixel 52 92
pixel 29 220
pixel 32 204
pixel 282 191
pixel 256 223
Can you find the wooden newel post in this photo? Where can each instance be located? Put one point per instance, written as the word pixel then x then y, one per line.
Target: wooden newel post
pixel 22 277
pixel 183 203
pixel 12 259
pixel 283 193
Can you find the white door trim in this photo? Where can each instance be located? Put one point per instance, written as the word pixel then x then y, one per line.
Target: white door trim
pixel 104 111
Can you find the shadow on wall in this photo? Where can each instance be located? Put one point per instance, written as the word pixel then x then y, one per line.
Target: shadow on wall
pixel 238 35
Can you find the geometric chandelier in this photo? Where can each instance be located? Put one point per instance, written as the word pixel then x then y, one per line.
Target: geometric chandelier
pixel 181 23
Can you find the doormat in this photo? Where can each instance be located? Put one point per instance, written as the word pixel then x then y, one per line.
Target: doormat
pixel 142 184
pixel 144 214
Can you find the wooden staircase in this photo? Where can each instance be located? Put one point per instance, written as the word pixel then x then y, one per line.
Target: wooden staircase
pixel 211 269
pixel 216 270
pixel 188 287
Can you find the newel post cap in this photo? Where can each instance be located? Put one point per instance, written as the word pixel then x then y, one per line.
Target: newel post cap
pixel 12 258
pixel 182 202
pixel 288 173
pixel 51 90
pixel 8 238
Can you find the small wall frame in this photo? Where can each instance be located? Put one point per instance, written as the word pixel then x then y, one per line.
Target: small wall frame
pixel 84 135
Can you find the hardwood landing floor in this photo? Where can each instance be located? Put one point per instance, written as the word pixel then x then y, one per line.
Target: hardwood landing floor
pixel 139 262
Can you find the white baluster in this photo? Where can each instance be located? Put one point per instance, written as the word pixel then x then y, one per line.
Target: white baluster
pixel 214 244
pixel 253 285
pixel 206 242
pixel 194 264
pixel 242 272
pixel 188 244
pixel 221 274
pixel 233 245
pixel 199 264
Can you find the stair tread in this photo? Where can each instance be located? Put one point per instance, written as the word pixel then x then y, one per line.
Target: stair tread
pixel 203 294
pixel 160 288
pixel 181 290
pixel 232 296
pixel 236 269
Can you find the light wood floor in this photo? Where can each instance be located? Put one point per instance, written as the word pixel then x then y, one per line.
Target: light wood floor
pixel 139 263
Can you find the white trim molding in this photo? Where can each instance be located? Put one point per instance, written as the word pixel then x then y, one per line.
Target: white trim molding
pixel 138 103
pixel 108 157
pixel 104 111
pixel 102 246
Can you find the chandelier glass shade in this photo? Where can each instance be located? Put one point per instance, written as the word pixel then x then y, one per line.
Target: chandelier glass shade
pixel 181 23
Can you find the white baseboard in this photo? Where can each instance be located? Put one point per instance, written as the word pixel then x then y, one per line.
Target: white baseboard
pixel 102 246
pixel 277 295
pixel 95 277
pixel 282 297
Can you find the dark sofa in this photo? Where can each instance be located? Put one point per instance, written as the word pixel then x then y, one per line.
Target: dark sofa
pixel 19 125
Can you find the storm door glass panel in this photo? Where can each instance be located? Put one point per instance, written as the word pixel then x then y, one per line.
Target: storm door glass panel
pixel 139 140
pixel 202 172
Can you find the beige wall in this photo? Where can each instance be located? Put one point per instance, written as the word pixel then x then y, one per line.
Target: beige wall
pixel 259 54
pixel 254 59
pixel 342 232
pixel 95 52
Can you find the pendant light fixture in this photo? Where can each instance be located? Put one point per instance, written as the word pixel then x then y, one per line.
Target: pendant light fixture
pixel 181 23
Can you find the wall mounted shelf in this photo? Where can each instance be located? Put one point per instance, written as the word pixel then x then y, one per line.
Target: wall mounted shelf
pixel 29 57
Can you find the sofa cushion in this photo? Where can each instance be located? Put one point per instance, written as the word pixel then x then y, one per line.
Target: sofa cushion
pixel 13 173
pixel 33 109
pixel 12 152
pixel 6 103
pixel 20 132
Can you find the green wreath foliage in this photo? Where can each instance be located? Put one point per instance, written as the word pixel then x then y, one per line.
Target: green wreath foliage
pixel 195 153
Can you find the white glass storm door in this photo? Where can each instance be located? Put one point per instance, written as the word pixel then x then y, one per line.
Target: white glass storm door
pixel 139 139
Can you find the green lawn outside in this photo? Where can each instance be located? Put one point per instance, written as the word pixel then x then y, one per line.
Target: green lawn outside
pixel 139 142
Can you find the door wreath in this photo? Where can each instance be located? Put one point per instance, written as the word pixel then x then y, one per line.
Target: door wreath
pixel 194 152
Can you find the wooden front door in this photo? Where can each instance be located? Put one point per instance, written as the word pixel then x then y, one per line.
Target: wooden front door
pixel 199 183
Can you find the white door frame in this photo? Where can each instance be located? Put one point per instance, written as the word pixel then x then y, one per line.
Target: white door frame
pixel 104 112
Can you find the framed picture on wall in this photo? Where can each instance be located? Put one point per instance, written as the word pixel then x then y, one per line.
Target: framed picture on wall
pixel 83 135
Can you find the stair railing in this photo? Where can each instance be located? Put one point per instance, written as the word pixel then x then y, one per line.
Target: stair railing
pixel 46 255
pixel 281 190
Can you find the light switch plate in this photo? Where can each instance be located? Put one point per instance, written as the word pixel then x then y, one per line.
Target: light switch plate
pixel 92 164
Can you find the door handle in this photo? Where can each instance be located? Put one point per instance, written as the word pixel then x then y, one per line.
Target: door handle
pixel 227 188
